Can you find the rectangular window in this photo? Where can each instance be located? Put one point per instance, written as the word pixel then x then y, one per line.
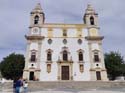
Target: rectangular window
pixel 49 56
pixel 96 58
pixel 80 56
pixel 50 32
pixel 81 67
pixel 65 56
pixel 79 33
pixel 48 68
pixel 33 58
pixel 64 32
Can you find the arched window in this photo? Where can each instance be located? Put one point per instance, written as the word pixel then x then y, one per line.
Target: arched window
pixel 36 19
pixel 65 55
pixel 33 56
pixel 80 56
pixel 92 20
pixel 49 56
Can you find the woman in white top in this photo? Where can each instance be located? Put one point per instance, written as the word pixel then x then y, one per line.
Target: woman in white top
pixel 25 86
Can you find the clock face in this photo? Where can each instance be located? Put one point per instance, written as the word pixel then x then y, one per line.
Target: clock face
pixel 35 31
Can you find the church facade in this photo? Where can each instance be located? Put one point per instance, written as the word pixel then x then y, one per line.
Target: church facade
pixel 57 52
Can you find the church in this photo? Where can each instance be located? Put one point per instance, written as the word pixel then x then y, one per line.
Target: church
pixel 64 52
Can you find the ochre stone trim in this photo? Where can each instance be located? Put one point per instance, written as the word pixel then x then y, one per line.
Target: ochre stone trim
pixel 94 37
pixel 34 37
pixel 93 26
pixel 58 25
pixel 64 62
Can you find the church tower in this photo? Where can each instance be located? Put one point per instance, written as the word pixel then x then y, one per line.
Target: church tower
pixel 90 17
pixel 34 41
pixel 97 68
pixel 37 16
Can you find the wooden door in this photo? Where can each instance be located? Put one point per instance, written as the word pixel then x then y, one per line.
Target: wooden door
pixel 65 72
pixel 98 75
pixel 31 76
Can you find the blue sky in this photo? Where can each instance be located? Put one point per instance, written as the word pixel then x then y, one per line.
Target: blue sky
pixel 15 15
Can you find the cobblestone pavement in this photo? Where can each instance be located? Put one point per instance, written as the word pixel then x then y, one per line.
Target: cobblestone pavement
pixel 119 90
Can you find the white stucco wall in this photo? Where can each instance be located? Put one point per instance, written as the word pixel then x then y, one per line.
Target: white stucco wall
pixel 56 46
pixel 34 46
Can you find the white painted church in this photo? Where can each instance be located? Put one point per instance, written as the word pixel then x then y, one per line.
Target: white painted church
pixel 57 52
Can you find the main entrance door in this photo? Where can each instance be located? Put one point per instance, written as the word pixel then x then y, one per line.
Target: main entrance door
pixel 31 76
pixel 98 75
pixel 65 73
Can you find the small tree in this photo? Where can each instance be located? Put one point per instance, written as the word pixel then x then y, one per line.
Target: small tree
pixel 114 64
pixel 12 66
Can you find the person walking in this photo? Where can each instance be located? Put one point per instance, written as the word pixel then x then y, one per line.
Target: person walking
pixel 25 86
pixel 18 85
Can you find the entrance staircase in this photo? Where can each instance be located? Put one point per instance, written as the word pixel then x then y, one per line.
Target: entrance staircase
pixel 78 85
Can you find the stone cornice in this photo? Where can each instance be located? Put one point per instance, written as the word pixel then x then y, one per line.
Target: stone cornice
pixel 94 37
pixel 64 61
pixel 59 25
pixel 32 68
pixel 93 26
pixel 96 69
pixel 34 37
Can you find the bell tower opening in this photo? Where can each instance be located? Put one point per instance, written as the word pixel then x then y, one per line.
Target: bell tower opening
pixel 90 16
pixel 92 20
pixel 36 19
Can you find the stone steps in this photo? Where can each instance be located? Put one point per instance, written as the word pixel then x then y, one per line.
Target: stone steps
pixel 75 85
pixel 79 85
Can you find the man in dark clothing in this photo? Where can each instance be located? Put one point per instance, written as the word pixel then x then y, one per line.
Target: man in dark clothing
pixel 18 85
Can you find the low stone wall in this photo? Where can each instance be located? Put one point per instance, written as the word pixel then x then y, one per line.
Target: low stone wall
pixel 35 85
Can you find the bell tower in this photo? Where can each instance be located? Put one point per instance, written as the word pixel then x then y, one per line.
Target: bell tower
pixel 37 16
pixel 97 67
pixel 34 42
pixel 91 17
